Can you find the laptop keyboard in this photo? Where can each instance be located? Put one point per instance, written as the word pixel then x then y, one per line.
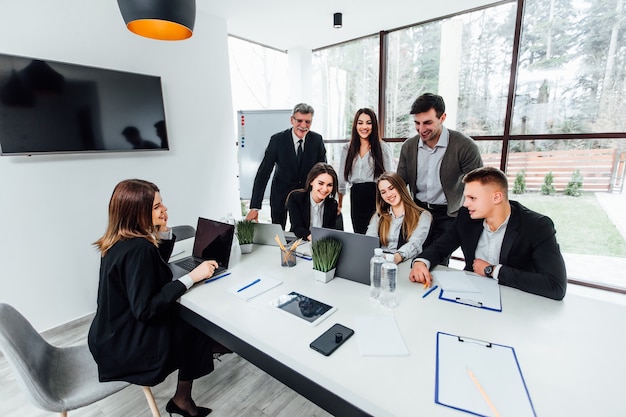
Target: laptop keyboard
pixel 190 263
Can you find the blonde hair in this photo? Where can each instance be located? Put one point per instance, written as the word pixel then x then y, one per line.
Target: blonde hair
pixel 130 214
pixel 412 211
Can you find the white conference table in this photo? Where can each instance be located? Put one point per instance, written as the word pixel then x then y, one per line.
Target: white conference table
pixel 571 352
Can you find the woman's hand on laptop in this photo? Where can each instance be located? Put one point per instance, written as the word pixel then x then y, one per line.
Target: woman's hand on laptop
pixel 203 271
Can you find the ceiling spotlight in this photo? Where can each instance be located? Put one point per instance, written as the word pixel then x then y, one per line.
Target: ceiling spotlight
pixel 337 20
pixel 170 20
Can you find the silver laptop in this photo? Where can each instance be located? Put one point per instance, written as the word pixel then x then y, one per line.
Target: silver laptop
pixel 213 241
pixel 356 252
pixel 265 233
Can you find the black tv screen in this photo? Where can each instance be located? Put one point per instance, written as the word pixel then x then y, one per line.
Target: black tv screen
pixel 53 107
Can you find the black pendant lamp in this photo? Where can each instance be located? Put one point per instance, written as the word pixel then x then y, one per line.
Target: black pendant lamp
pixel 167 20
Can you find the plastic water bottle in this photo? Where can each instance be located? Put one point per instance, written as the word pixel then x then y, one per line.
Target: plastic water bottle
pixel 376 262
pixel 389 279
pixel 235 249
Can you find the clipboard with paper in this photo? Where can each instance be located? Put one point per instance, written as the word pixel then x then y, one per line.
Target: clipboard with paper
pixel 469 289
pixel 480 378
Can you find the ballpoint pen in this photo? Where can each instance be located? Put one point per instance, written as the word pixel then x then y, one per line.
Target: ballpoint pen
pixel 217 277
pixel 429 291
pixel 249 285
pixel 303 256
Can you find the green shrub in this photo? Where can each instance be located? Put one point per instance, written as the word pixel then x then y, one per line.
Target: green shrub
pixel 547 188
pixel 519 187
pixel 325 254
pixel 575 186
pixel 245 231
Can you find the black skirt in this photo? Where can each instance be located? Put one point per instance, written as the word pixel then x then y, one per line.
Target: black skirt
pixel 362 205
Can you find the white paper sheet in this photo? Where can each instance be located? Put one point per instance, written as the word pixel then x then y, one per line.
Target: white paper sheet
pixel 379 336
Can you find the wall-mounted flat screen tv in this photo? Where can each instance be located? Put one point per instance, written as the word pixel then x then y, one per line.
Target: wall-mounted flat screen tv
pixel 53 107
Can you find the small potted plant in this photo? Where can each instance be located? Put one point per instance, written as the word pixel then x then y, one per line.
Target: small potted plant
pixel 245 235
pixel 325 254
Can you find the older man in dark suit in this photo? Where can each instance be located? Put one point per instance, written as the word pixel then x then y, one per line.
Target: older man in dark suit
pixel 500 239
pixel 293 153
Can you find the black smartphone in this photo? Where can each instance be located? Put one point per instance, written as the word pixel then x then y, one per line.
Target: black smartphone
pixel 331 339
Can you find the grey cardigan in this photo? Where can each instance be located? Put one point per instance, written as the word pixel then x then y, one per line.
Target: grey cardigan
pixel 462 156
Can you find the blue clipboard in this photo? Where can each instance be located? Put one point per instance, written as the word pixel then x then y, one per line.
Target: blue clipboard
pixel 488 298
pixel 480 378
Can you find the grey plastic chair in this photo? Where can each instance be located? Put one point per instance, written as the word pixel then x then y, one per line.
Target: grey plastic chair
pixel 183 232
pixel 55 379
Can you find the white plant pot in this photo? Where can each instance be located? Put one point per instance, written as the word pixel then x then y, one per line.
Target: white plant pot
pixel 324 276
pixel 246 248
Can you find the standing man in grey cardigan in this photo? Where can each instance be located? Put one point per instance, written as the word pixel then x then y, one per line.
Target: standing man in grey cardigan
pixel 434 162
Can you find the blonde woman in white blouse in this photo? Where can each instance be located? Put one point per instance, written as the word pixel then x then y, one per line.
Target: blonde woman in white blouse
pixel 363 160
pixel 400 224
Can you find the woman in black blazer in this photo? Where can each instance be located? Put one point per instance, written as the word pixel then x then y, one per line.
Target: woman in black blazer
pixel 315 205
pixel 136 334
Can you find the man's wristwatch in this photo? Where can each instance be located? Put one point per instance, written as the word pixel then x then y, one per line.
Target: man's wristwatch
pixel 489 271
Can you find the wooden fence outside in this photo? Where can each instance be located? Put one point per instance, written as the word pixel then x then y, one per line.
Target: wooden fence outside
pixel 601 169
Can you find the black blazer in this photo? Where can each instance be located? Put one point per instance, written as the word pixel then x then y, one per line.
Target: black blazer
pixel 131 333
pixel 299 208
pixel 530 256
pixel 281 153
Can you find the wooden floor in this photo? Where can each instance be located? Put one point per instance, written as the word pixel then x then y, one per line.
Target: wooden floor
pixel 235 389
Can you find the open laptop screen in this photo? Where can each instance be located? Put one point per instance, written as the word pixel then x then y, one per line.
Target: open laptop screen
pixel 213 241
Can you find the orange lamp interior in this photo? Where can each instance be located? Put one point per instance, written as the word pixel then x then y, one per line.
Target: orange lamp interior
pixel 159 29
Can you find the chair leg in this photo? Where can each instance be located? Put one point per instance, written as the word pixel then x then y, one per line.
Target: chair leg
pixel 153 407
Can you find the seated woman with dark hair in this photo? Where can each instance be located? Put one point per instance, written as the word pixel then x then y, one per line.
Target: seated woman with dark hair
pixel 137 334
pixel 399 223
pixel 314 206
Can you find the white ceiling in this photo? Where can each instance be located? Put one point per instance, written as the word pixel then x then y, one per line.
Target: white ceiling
pixel 284 24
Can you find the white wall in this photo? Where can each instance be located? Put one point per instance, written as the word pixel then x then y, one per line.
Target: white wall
pixel 53 207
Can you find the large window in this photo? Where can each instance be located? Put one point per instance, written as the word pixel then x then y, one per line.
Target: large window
pixel 259 76
pixel 467 57
pixel 559 132
pixel 345 78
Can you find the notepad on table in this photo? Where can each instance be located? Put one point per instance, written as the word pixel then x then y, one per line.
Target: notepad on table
pixel 251 288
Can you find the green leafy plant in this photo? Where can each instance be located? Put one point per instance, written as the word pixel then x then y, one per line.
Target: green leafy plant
pixel 547 188
pixel 519 187
pixel 325 254
pixel 245 231
pixel 575 186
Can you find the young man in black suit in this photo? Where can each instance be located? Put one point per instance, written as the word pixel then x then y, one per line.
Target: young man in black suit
pixel 500 239
pixel 293 153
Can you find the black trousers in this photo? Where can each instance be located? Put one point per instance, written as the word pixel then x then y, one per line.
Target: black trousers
pixel 441 223
pixel 362 205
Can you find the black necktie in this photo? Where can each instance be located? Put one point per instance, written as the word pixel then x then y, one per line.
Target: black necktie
pixel 299 152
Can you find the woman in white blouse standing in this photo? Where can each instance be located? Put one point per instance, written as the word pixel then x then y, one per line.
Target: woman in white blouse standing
pixel 363 160
pixel 399 223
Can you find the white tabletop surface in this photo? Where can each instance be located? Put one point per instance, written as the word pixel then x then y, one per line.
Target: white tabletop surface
pixel 571 352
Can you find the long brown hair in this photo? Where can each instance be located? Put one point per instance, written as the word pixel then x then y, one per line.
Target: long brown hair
pixel 318 169
pixel 130 214
pixel 376 150
pixel 412 211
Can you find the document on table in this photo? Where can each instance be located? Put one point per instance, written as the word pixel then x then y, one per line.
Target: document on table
pixel 254 286
pixel 470 289
pixel 480 377
pixel 379 336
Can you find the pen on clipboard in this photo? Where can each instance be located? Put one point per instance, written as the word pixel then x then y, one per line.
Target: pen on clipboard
pixel 249 285
pixel 493 408
pixel 217 277
pixel 429 291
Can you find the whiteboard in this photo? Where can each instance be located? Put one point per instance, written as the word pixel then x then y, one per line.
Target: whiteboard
pixel 254 129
